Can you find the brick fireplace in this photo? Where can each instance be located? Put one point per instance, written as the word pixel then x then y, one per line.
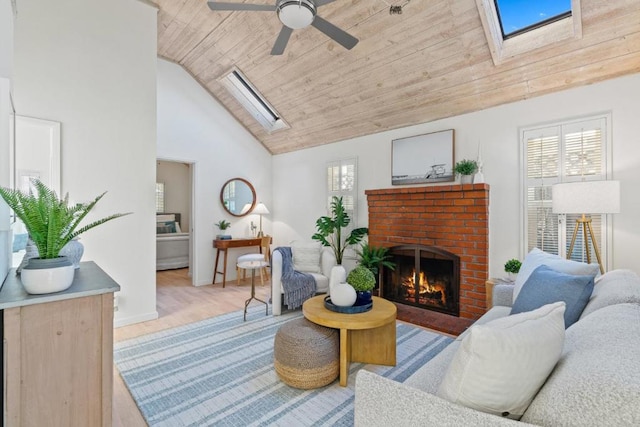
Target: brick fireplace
pixel 453 218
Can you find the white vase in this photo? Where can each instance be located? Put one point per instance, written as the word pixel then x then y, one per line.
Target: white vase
pixel 338 275
pixel 343 295
pixel 44 276
pixel 466 179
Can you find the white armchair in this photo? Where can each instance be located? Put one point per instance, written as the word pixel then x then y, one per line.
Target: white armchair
pixel 327 262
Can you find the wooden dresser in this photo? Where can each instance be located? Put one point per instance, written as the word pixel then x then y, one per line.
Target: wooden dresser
pixel 58 352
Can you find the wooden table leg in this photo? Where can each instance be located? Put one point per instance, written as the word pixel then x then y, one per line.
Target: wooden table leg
pixel 215 267
pixel 377 346
pixel 224 269
pixel 344 357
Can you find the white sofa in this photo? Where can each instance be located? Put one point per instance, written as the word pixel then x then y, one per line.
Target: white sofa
pixel 596 382
pixel 327 262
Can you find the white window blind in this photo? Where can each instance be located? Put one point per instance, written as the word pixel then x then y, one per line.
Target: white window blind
pixel 159 197
pixel 341 182
pixel 565 152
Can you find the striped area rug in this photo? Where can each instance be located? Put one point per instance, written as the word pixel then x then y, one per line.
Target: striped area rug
pixel 220 372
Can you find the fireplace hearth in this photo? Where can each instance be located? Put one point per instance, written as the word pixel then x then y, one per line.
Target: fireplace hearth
pixel 425 276
pixel 450 218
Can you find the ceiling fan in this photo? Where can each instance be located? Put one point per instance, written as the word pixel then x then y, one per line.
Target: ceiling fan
pixel 294 15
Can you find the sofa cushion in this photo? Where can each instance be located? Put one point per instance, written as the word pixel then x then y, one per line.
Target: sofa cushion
pixel 536 258
pixel 597 380
pixel 500 365
pixel 545 286
pixel 614 287
pixel 306 257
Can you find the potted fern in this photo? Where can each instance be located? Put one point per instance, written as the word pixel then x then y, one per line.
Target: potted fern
pixel 374 257
pixel 51 223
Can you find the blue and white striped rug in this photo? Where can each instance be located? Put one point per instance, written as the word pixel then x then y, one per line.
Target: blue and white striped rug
pixel 220 372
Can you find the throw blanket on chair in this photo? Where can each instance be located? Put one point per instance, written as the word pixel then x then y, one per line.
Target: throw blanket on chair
pixel 298 286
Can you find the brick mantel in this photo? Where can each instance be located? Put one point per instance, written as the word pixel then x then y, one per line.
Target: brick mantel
pixel 453 217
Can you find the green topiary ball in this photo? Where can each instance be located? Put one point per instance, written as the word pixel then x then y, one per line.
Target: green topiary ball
pixel 362 279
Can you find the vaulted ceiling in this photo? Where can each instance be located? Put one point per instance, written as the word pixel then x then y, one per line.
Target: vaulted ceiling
pixel 430 62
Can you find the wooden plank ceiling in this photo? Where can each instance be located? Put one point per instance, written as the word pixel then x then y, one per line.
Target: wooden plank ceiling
pixel 430 62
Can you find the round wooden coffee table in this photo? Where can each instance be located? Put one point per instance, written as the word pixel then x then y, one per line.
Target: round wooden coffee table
pixel 368 337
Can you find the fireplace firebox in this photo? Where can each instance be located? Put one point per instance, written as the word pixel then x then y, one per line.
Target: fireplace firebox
pixel 424 276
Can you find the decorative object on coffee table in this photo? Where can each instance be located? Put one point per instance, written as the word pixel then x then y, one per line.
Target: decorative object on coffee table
pixel 306 355
pixel 330 233
pixel 343 295
pixel 363 281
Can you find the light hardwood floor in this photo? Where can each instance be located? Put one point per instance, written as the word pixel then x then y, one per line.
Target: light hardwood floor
pixel 178 303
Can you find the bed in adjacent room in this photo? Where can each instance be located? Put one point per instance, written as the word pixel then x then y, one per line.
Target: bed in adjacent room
pixel 172 245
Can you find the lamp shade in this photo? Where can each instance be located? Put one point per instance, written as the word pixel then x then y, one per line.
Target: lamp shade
pixel 586 197
pixel 260 209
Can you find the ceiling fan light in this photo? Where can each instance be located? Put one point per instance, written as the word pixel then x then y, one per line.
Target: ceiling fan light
pixel 296 14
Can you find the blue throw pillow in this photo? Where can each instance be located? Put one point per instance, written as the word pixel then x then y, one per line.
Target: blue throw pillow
pixel 20 242
pixel 546 286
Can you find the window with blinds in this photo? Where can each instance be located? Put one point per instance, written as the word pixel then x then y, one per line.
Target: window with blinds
pixel 159 197
pixel 565 152
pixel 341 182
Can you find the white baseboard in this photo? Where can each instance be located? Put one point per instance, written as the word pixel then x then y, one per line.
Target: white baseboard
pixel 124 321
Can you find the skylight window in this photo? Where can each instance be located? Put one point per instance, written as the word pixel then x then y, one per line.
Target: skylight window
pixel 519 16
pixel 253 101
pixel 517 27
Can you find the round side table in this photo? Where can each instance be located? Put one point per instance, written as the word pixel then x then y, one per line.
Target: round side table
pixel 253 266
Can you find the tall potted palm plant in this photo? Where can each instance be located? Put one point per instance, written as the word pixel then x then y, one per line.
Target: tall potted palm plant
pixel 331 233
pixel 51 223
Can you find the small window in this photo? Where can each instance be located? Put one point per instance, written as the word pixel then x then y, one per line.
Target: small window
pixel 519 16
pixel 341 182
pixel 159 197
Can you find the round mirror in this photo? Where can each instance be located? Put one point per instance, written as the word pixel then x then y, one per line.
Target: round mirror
pixel 238 196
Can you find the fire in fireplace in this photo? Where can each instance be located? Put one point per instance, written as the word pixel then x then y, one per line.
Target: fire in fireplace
pixel 424 276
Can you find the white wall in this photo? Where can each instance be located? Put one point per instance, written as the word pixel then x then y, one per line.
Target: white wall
pixel 177 189
pixel 193 127
pixel 302 173
pixel 91 65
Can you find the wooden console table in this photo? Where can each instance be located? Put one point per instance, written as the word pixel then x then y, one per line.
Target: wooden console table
pixel 224 245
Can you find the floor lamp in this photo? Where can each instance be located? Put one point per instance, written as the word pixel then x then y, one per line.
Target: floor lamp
pixel 586 197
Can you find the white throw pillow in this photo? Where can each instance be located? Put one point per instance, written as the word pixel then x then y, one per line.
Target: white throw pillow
pixel 536 258
pixel 500 366
pixel 306 257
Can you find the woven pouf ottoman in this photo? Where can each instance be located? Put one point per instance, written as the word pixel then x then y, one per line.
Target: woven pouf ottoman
pixel 306 355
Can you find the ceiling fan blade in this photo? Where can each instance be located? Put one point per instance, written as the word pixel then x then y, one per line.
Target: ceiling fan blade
pixel 319 3
pixel 281 41
pixel 340 36
pixel 214 5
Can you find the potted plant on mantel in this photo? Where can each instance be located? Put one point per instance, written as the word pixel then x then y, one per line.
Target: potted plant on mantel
pixel 330 232
pixel 363 281
pixel 466 168
pixel 51 224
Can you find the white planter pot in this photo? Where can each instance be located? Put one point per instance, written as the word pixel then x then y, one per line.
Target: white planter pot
pixel 343 295
pixel 46 276
pixel 338 275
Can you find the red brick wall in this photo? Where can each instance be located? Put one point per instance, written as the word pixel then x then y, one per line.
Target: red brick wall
pixel 453 217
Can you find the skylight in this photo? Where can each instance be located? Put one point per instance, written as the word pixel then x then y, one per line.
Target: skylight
pixel 519 16
pixel 516 27
pixel 249 97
